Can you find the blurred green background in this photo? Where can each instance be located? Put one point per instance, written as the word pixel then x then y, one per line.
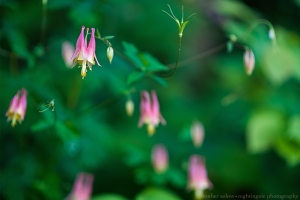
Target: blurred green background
pixel 252 123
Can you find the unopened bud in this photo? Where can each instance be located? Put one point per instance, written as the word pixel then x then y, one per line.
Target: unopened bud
pixel 197 133
pixel 67 52
pixel 160 158
pixel 110 53
pixel 129 107
pixel 272 34
pixel 249 61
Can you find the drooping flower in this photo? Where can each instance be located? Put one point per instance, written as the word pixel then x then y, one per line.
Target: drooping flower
pixel 249 61
pixel 129 107
pixel 198 179
pixel 150 112
pixel 160 158
pixel 84 54
pixel 197 133
pixel 67 53
pixel 82 188
pixel 17 108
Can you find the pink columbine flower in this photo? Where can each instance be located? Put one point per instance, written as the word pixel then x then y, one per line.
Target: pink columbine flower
pixel 198 180
pixel 17 108
pixel 150 113
pixel 160 158
pixel 249 61
pixel 82 187
pixel 197 133
pixel 67 53
pixel 84 54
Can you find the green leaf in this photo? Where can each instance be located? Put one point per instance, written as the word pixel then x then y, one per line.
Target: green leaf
pixel 157 194
pixel 289 150
pixel 144 61
pixel 294 128
pixel 263 129
pixel 109 197
pixel 153 64
pixel 108 37
pixel 132 52
pixel 98 33
pixel 66 133
pixel 160 80
pixel 135 76
pixel 40 125
pixel 19 45
pixel 229 46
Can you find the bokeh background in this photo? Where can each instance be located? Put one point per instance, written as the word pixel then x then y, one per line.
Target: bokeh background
pixel 252 123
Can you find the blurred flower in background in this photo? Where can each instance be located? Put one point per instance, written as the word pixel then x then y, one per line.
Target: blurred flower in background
pixel 249 61
pixel 67 53
pixel 17 108
pixel 197 176
pixel 160 158
pixel 197 133
pixel 82 188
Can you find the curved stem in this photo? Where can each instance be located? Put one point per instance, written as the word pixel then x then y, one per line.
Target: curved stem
pixel 201 55
pixel 99 105
pixel 177 59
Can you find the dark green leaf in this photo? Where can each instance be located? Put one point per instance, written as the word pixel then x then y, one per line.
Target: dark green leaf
pixel 135 76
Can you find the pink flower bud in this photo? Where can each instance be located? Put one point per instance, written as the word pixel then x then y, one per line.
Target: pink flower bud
pixel 82 187
pixel 17 109
pixel 249 61
pixel 67 52
pixel 159 158
pixel 197 133
pixel 198 180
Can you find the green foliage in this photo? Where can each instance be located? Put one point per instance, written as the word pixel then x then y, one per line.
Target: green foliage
pixel 156 193
pixel 251 123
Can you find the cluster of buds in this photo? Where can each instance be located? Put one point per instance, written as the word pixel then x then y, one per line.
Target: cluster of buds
pixel 159 158
pixel 150 112
pixel 198 179
pixel 84 53
pixel 197 133
pixel 17 108
pixel 82 187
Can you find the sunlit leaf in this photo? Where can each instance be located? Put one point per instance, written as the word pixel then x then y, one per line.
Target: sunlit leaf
pixel 109 197
pixel 156 193
pixel 263 129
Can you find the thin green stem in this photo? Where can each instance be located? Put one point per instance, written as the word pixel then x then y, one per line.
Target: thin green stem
pixel 44 21
pixel 99 105
pixel 177 60
pixel 201 55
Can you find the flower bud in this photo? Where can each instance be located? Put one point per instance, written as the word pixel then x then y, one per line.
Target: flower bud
pixel 160 158
pixel 110 53
pixel 197 133
pixel 67 52
pixel 249 61
pixel 129 107
pixel 271 34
